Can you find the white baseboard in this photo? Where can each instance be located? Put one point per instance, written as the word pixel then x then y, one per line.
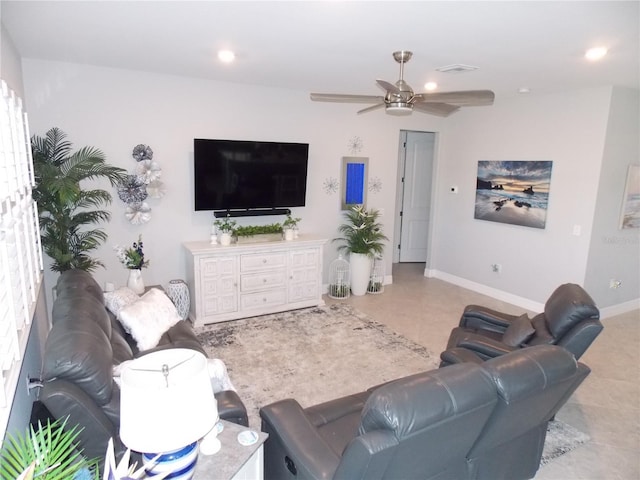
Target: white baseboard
pixel 522 302
pixel 605 312
pixel 621 308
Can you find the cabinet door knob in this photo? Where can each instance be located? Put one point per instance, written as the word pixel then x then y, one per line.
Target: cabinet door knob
pixel 264 260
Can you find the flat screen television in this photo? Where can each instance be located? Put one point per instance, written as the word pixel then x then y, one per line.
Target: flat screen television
pixel 245 175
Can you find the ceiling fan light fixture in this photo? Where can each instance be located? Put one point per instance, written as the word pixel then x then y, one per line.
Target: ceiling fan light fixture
pixel 399 108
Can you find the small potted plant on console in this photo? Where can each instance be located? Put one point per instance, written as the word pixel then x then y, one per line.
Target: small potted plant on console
pixel 226 227
pixel 290 225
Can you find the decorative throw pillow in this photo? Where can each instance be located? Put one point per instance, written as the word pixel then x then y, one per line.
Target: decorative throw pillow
pixel 120 298
pixel 148 318
pixel 518 332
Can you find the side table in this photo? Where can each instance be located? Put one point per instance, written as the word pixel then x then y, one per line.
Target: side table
pixel 233 461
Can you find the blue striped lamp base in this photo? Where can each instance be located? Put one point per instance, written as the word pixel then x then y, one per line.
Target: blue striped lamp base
pixel 181 462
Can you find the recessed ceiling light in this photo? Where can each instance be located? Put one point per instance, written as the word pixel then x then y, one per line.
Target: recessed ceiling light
pixel 226 56
pixel 524 90
pixel 430 86
pixel 595 53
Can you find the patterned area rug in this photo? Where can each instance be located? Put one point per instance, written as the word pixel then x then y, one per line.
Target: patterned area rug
pixel 318 354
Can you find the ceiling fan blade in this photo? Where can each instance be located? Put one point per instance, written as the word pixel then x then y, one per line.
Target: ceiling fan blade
pixel 389 87
pixel 341 98
pixel 371 108
pixel 435 108
pixel 466 98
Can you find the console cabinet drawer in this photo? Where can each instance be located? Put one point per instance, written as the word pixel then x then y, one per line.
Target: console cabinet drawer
pixel 260 281
pixel 264 299
pixel 261 261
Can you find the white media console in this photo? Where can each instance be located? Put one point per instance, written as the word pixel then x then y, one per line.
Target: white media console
pixel 245 280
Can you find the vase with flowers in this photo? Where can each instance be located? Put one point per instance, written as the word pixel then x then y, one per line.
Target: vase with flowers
pixel 133 259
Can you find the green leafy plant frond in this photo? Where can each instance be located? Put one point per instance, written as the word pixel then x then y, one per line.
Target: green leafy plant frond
pixel 361 232
pixel 66 208
pixel 51 447
pixel 251 230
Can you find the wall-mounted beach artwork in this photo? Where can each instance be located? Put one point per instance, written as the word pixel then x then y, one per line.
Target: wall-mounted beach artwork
pixel 630 217
pixel 513 191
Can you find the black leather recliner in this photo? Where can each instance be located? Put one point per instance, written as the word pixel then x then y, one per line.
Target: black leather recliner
pixel 84 344
pixel 570 319
pixel 466 421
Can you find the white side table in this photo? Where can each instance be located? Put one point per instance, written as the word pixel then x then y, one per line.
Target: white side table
pixel 233 461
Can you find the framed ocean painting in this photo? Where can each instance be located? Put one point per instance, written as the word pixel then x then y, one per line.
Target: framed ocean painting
pixel 630 216
pixel 513 191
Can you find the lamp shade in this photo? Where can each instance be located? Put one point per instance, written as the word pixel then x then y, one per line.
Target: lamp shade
pixel 166 401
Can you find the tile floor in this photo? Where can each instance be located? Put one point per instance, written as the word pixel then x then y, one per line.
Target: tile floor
pixel 606 406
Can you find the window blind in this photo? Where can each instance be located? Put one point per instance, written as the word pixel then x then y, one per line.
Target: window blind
pixel 20 249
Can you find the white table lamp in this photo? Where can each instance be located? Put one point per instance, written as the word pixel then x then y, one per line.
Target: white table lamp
pixel 166 406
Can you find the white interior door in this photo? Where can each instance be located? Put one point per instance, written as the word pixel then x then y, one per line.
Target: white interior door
pixel 416 197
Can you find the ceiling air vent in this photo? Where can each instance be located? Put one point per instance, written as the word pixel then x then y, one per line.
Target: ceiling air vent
pixel 457 68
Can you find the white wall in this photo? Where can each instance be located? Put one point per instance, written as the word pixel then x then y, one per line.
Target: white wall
pixel 115 110
pixel 10 68
pixel 615 253
pixel 118 109
pixel 568 129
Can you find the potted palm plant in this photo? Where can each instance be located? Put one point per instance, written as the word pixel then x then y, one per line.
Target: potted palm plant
pixel 49 452
pixel 363 239
pixel 67 211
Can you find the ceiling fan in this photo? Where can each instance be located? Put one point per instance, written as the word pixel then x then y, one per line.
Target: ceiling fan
pixel 400 99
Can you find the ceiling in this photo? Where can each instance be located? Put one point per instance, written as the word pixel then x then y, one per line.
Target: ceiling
pixel 342 46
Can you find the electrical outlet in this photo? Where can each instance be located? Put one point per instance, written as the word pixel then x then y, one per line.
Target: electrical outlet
pixel 613 283
pixel 496 267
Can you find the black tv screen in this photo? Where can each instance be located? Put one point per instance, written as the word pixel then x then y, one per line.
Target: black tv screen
pixel 236 174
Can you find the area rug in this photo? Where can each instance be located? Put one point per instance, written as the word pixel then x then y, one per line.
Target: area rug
pixel 319 354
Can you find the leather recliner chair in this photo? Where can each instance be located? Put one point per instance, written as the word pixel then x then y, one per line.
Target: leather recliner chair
pixel 465 421
pixel 570 319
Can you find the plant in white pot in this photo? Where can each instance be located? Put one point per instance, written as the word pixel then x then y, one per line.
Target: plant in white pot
pixel 362 237
pixel 289 227
pixel 226 227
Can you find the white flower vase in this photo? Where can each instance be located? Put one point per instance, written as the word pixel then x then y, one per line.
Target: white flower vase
pixel 289 234
pixel 225 239
pixel 360 264
pixel 135 281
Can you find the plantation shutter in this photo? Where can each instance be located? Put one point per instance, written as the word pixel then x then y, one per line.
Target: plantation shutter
pixel 20 250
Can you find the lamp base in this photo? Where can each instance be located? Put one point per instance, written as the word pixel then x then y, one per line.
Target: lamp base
pixel 181 463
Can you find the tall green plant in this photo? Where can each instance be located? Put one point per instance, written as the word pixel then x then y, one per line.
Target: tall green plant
pixel 51 449
pixel 362 232
pixel 66 209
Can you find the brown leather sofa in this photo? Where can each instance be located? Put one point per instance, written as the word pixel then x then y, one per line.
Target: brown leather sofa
pixel 483 420
pixel 84 344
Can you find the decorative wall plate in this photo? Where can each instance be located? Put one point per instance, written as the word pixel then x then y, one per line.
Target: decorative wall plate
pixel 148 170
pixel 156 189
pixel 138 213
pixel 132 190
pixel 142 152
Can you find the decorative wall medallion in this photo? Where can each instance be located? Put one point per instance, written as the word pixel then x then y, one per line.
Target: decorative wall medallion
pixel 148 170
pixel 138 213
pixel 132 190
pixel 330 185
pixel 156 189
pixel 143 183
pixel 355 145
pixel 142 152
pixel 375 185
